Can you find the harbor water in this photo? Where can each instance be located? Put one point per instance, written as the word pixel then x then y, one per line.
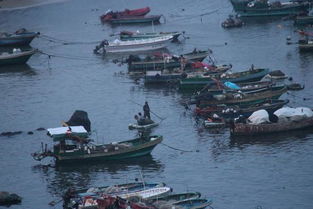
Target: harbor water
pixel 269 172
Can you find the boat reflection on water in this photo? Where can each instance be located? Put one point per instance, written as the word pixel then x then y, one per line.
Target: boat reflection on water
pixel 23 69
pixel 82 175
pixel 270 139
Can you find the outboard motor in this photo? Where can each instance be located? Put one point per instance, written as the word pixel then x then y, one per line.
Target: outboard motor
pixel 80 118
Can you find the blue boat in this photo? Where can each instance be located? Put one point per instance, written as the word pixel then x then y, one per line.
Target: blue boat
pixel 193 203
pixel 19 38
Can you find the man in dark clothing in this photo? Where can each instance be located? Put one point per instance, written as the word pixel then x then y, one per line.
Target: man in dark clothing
pixel 146 111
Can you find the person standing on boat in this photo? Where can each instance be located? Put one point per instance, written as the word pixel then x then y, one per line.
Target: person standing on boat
pixel 146 111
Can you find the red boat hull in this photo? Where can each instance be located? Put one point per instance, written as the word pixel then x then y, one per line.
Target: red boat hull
pixel 125 13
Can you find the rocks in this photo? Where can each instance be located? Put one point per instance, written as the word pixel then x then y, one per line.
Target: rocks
pixel 9 199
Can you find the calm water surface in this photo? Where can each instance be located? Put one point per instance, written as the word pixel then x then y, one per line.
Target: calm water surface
pixel 272 172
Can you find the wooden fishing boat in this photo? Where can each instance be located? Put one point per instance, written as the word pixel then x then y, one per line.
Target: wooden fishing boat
pixel 128 35
pixel 174 76
pixel 186 204
pixel 118 46
pixel 135 20
pixel 270 106
pixel 176 197
pixel 242 129
pixel 73 146
pixel 242 98
pixel 262 8
pixel 305 45
pixel 126 13
pixel 304 20
pixel 162 61
pixel 219 87
pixel 142 127
pixel 19 38
pixel 115 188
pixel 17 57
pixel 107 201
pixel 199 81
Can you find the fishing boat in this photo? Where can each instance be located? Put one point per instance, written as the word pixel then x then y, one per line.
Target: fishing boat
pixel 17 57
pixel 126 13
pixel 219 87
pixel 176 197
pixel 186 204
pixel 304 20
pixel 116 188
pixel 106 201
pixel 162 61
pixel 305 45
pixel 242 98
pixel 232 22
pixel 262 8
pixel 289 123
pixel 147 124
pixel 135 20
pixel 129 35
pixel 19 38
pixel 174 76
pixel 199 81
pixel 119 46
pixel 73 145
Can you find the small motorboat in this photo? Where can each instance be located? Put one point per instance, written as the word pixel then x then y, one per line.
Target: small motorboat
pixel 126 13
pixel 17 57
pixel 119 46
pixel 20 38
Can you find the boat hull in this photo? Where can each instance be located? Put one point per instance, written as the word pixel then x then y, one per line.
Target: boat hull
pixel 143 66
pixel 197 83
pixel 135 151
pixel 18 40
pixel 16 59
pixel 242 8
pixel 241 129
pixel 130 37
pixel 137 47
pixel 136 20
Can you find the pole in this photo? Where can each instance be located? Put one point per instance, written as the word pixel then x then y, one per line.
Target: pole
pixel 150 110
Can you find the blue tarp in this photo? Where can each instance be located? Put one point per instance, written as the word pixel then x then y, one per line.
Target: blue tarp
pixel 231 85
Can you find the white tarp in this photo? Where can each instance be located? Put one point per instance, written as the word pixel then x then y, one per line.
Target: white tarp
pixel 64 130
pixel 293 114
pixel 259 117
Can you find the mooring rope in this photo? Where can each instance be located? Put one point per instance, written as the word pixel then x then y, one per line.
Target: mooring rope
pixel 68 56
pixel 177 149
pixel 64 42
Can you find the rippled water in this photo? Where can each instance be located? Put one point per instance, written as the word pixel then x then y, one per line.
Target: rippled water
pixel 273 171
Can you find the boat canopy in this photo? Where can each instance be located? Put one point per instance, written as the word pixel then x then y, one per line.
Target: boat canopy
pixel 61 133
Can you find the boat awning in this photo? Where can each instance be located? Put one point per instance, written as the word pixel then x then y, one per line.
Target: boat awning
pixel 62 132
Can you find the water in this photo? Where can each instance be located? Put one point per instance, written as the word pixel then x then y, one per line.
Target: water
pixel 272 171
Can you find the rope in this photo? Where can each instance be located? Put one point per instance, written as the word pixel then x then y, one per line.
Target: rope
pixel 195 16
pixel 67 56
pixel 178 149
pixel 64 42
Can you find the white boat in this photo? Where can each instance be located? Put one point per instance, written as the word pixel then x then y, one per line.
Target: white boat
pixel 118 46
pixel 148 193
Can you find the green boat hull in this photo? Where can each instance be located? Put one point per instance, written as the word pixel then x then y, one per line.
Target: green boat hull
pixel 305 20
pixel 197 83
pixel 143 66
pixel 139 149
pixel 264 10
pixel 15 61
